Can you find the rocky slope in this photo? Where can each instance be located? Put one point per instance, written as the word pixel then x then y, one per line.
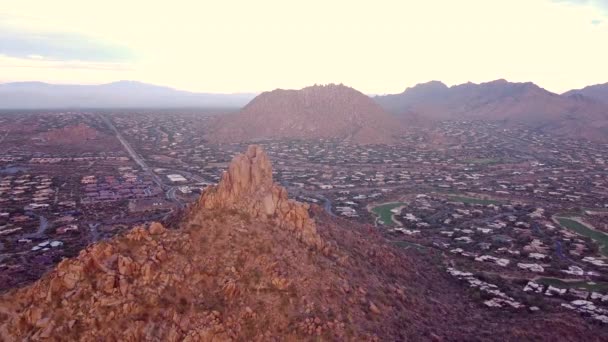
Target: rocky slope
pixel 246 263
pixel 503 101
pixel 328 112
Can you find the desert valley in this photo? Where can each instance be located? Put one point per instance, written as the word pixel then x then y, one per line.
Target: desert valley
pixel 313 170
pixel 439 213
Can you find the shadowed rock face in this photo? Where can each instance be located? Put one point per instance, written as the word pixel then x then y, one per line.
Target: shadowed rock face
pixel 247 187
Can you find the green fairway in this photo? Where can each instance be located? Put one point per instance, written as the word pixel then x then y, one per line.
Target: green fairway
pixel 472 200
pixel 384 212
pixel 572 284
pixel 600 238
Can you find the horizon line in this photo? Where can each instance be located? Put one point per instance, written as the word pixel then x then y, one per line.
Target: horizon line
pixel 276 88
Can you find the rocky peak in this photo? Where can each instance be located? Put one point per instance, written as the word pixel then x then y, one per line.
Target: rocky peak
pixel 331 111
pixel 247 187
pixel 248 175
pixel 328 88
pixel 429 86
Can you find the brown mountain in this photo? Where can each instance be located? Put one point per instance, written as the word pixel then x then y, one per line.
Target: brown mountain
pixel 246 263
pixel 328 112
pixel 598 92
pixel 507 102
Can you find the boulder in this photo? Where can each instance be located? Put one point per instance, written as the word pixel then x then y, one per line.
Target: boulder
pixel 156 228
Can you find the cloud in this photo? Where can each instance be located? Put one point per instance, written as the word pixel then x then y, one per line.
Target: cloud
pixel 602 5
pixel 39 62
pixel 573 2
pixel 59 46
pixel 376 47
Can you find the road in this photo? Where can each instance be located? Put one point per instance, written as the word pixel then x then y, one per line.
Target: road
pixel 170 194
pixel 327 205
pixel 42 226
pixel 326 201
pixel 136 157
pixel 94 231
pixel 169 190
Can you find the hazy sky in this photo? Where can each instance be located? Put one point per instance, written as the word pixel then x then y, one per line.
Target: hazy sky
pixel 378 46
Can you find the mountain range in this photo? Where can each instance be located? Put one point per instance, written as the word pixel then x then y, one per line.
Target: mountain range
pixel 340 112
pixel 121 94
pixel 578 114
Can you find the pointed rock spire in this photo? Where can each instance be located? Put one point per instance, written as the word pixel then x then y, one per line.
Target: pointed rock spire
pixel 248 187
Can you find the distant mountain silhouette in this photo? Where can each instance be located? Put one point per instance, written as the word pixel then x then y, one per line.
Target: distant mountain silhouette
pixel 507 102
pixel 328 112
pixel 598 92
pixel 122 94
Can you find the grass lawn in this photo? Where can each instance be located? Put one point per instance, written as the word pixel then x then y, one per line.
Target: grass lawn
pixel 600 238
pixel 384 212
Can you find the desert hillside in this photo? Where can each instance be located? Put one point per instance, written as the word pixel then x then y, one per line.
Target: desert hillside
pixel 328 112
